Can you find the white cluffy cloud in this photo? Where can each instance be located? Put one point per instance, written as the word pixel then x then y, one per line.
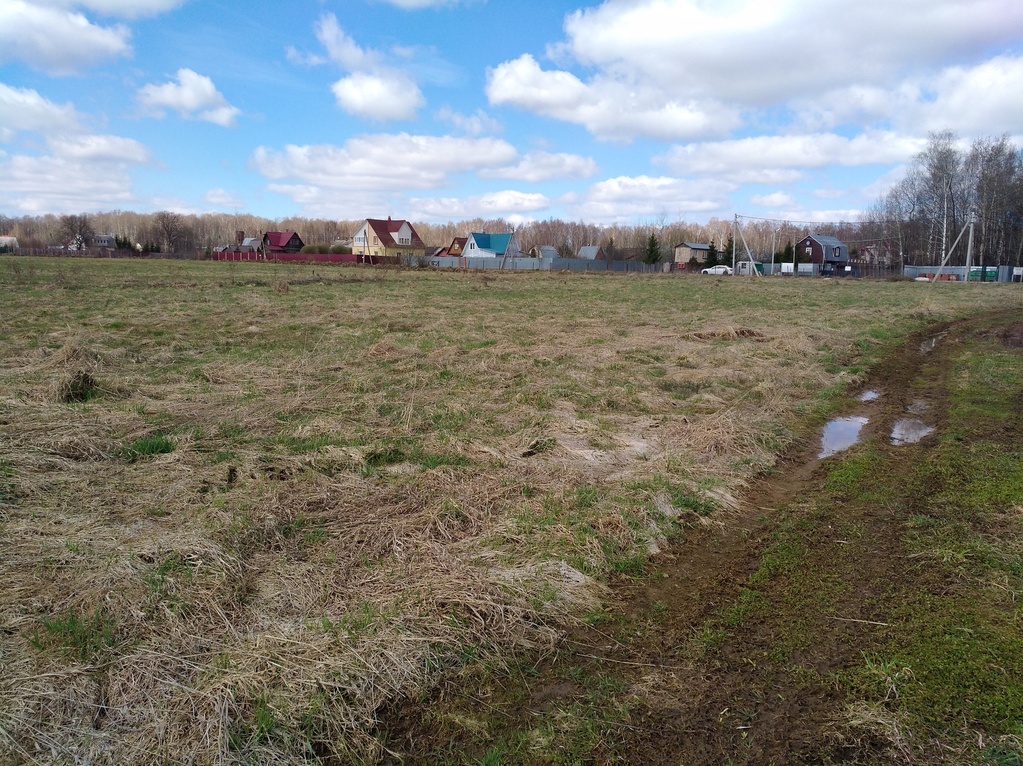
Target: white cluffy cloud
pixel 536 167
pixel 475 124
pixel 193 96
pixel 384 162
pixel 619 199
pixel 57 37
pixel 59 166
pixel 782 159
pixel 606 106
pixel 413 5
pixel 513 206
pixel 371 88
pixel 625 70
pixel 55 40
pixel 129 9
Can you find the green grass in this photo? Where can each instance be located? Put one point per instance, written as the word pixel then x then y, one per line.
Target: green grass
pixel 85 636
pixel 147 446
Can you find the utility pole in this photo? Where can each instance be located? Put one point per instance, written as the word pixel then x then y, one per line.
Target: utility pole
pixel 969 248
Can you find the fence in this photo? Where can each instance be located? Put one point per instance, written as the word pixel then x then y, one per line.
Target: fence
pixel 958 273
pixel 542 264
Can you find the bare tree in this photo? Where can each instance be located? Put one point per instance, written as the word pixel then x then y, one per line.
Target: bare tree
pixel 75 231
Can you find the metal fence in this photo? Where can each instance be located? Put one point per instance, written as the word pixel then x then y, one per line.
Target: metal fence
pixel 543 264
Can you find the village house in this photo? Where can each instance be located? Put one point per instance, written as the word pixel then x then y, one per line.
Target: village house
pixel 281 242
pixel 689 251
pixel 483 245
pixel 831 254
pixel 390 238
pixel 591 253
pixel 455 248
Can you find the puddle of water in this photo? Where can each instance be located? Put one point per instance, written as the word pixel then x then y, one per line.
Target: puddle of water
pixel 840 434
pixel 910 431
pixel 918 407
pixel 869 396
pixel 928 345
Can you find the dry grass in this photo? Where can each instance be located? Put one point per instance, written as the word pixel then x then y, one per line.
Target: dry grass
pixel 363 481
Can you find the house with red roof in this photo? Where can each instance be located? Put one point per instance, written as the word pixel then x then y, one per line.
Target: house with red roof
pixel 275 242
pixel 393 238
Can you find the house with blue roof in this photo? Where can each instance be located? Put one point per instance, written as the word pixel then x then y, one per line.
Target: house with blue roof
pixel 483 245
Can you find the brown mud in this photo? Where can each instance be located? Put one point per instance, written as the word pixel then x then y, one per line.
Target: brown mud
pixel 721 654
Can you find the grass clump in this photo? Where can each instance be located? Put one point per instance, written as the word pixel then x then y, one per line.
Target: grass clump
pixel 85 636
pixel 147 446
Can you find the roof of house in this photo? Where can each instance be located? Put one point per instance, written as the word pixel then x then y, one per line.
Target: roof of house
pixel 826 240
pixel 496 243
pixel 386 229
pixel 589 252
pixel 279 238
pixel 693 246
pixel 548 251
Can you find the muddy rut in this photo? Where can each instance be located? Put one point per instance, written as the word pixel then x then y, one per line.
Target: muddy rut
pixel 711 653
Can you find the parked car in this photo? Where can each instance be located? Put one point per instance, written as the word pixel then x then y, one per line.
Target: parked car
pixel 717 270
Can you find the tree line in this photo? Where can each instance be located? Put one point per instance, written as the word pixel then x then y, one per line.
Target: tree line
pixel 169 232
pixel 948 185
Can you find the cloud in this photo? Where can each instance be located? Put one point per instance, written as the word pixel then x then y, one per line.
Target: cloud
pixel 385 162
pixel 536 167
pixel 99 149
pixel 342 48
pixel 475 124
pixel 979 100
pixel 54 184
pixel 607 107
pixel 193 96
pixel 780 159
pixel 222 198
pixel 58 166
pixel 23 109
pixel 775 199
pixel 54 40
pixel 757 53
pixel 122 8
pixel 372 88
pixel 622 198
pixel 501 204
pixel 689 70
pixel 384 96
pixel 414 5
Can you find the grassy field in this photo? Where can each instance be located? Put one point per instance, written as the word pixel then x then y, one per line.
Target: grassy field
pixel 246 507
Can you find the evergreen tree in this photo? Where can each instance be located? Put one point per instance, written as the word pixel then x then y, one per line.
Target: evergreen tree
pixel 712 255
pixel 653 250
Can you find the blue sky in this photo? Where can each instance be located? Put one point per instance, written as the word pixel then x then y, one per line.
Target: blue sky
pixel 625 111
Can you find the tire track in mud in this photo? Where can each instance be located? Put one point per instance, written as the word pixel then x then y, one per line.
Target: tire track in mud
pixel 756 696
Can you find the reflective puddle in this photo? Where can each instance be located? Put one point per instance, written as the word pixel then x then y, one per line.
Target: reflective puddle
pixel 840 434
pixel 928 345
pixel 910 431
pixel 869 396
